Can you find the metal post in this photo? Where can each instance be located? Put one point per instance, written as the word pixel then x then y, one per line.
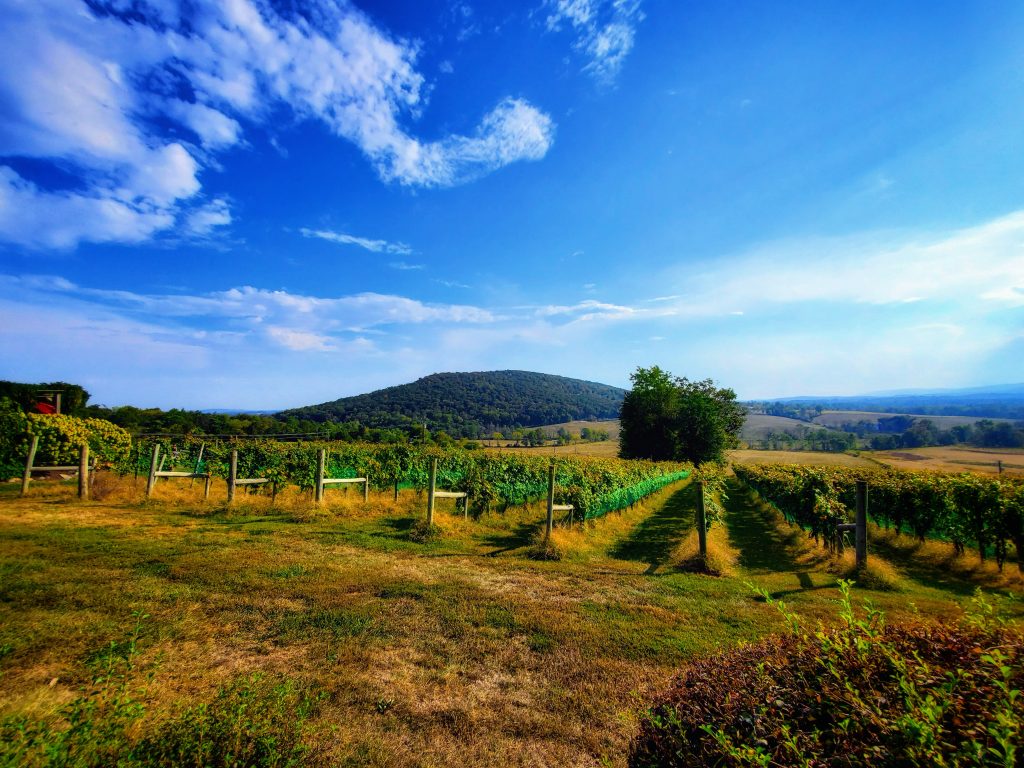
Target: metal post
pixel 551 501
pixel 232 475
pixel 432 483
pixel 28 464
pixel 83 472
pixel 151 481
pixel 321 461
pixel 862 524
pixel 702 529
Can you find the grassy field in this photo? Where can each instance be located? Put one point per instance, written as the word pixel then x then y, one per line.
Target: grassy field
pixel 461 651
pixel 955 459
pixel 837 418
pixel 817 458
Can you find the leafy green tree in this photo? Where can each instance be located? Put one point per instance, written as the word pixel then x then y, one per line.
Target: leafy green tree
pixel 670 418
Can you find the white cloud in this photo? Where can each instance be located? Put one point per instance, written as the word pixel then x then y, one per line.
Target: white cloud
pixel 377 246
pixel 605 31
pixel 299 341
pixel 588 310
pixel 970 266
pixel 101 94
pixel 204 221
pixel 401 265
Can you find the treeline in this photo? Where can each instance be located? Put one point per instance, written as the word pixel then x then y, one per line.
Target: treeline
pixel 923 432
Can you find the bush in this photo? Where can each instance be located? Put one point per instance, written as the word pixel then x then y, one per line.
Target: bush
pixel 60 439
pixel 862 694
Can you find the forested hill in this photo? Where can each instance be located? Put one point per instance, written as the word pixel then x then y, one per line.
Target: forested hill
pixel 473 404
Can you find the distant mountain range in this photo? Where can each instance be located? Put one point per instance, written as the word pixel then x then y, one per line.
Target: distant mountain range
pixel 995 401
pixel 474 404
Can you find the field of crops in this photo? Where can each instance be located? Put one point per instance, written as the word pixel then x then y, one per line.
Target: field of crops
pixel 961 508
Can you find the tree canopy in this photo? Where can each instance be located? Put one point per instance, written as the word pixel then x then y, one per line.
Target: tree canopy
pixel 665 417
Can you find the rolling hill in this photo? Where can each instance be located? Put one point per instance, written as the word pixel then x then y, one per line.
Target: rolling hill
pixel 473 404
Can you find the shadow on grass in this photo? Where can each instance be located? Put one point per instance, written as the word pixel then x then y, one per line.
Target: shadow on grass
pixel 521 536
pixel 960 575
pixel 654 539
pixel 764 546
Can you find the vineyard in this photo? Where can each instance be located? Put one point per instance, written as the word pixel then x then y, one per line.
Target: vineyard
pixel 592 486
pixel 962 508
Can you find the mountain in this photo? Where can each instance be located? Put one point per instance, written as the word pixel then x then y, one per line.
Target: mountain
pixel 473 404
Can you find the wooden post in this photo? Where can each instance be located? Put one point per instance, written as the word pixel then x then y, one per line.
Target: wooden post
pixel 366 488
pixel 56 402
pixel 999 464
pixel 83 472
pixel 432 484
pixel 206 490
pixel 396 490
pixel 321 461
pixel 199 463
pixel 550 524
pixel 232 476
pixel 861 521
pixel 702 528
pixel 28 464
pixel 152 470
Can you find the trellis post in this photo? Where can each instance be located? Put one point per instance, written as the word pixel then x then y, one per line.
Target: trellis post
pixel 862 524
pixel 702 527
pixel 28 464
pixel 83 472
pixel 321 461
pixel 432 483
pixel 151 481
pixel 232 476
pixel 551 501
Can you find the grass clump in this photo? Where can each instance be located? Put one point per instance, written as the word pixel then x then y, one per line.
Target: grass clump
pixel 423 532
pixel 865 693
pixel 545 548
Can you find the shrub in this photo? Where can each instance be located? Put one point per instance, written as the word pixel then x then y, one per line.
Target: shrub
pixel 61 437
pixel 862 694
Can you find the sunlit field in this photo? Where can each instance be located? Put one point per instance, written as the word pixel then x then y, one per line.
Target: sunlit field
pixel 457 651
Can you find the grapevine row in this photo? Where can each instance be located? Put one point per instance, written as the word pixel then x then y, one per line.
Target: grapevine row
pixel 960 507
pixel 592 485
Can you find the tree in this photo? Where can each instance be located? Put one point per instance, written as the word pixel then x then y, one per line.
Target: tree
pixel 671 418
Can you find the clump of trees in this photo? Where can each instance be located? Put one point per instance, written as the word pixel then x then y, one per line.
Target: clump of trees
pixel 670 418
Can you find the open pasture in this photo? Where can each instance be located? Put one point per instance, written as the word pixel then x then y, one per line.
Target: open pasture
pixel 460 650
pixel 954 459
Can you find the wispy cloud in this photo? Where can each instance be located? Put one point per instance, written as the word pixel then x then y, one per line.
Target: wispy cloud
pixel 377 246
pixel 401 265
pixel 605 31
pixel 134 101
pixel 976 266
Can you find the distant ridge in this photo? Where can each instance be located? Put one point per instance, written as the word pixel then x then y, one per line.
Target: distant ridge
pixel 995 401
pixel 474 404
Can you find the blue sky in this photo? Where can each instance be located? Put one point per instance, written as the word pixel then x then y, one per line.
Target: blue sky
pixel 260 205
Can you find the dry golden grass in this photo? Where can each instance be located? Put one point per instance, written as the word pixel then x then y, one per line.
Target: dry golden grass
pixel 954 459
pixel 457 652
pixel 813 458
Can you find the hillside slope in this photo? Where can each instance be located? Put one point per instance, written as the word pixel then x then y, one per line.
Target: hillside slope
pixel 474 404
